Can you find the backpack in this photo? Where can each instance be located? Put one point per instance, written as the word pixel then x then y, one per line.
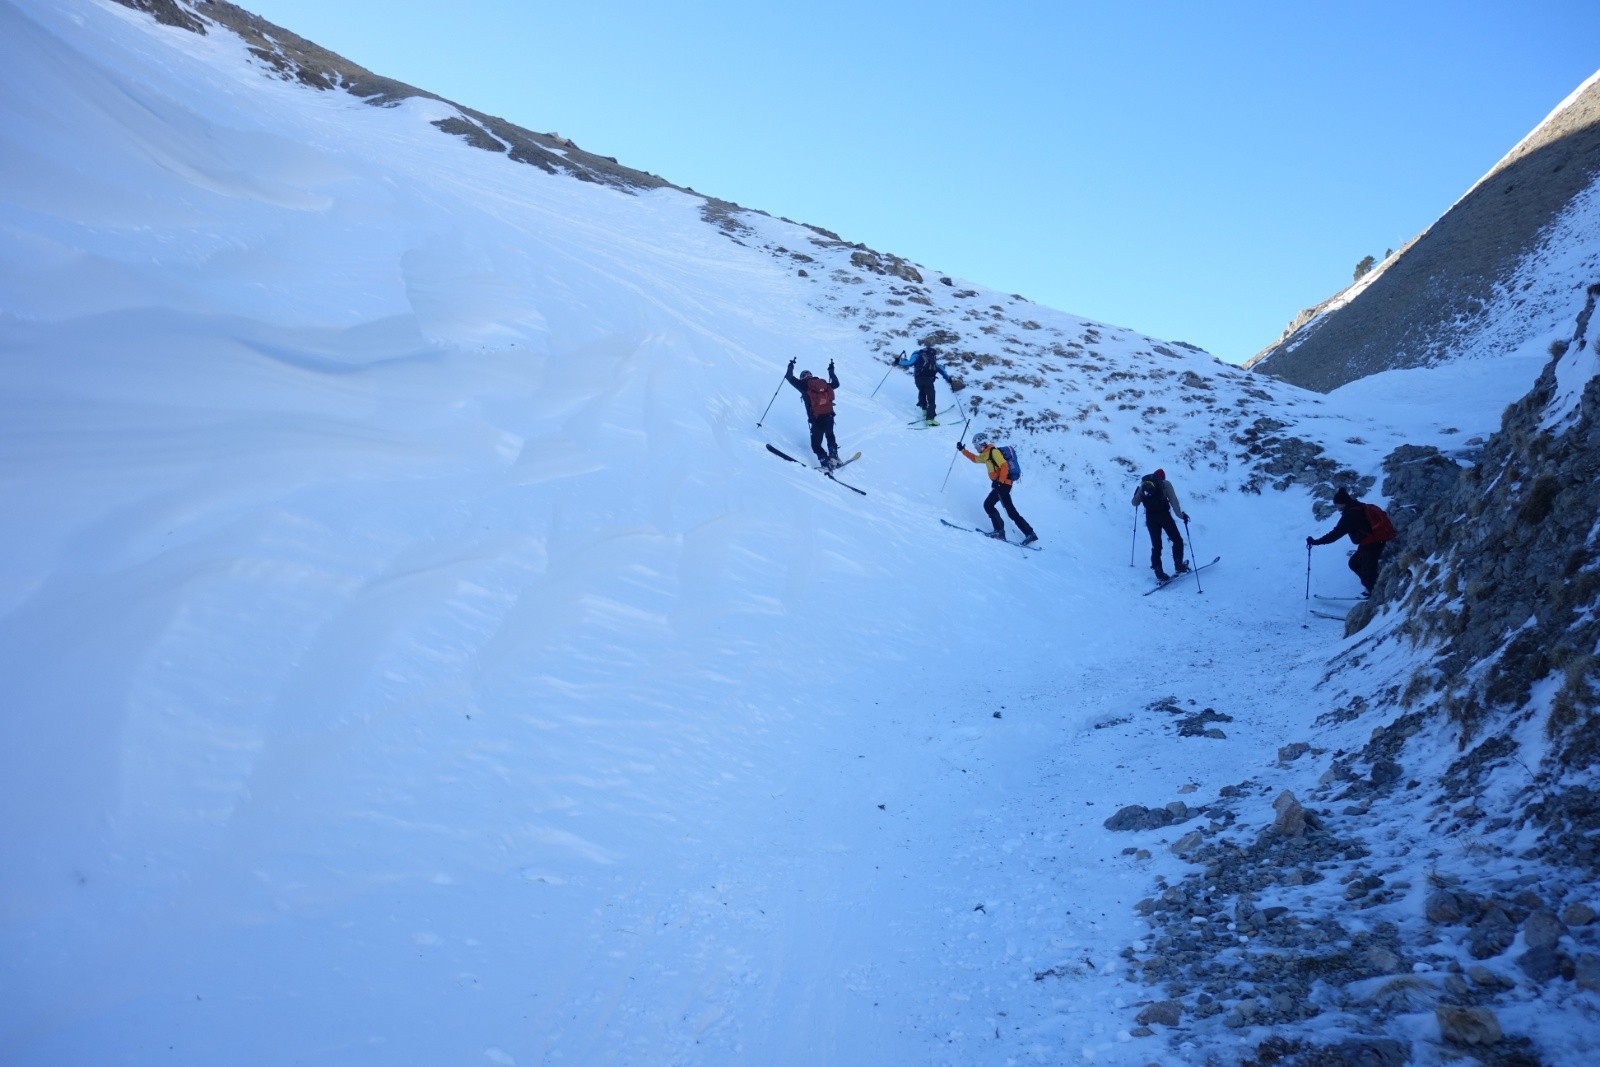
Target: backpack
pixel 1151 495
pixel 1382 527
pixel 1014 469
pixel 927 364
pixel 819 397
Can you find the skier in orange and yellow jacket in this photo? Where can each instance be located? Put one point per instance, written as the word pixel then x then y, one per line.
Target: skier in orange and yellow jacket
pixel 999 487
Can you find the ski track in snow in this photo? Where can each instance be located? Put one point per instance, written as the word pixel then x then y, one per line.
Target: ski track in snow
pixel 415 656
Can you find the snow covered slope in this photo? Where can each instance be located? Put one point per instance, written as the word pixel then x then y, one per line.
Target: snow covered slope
pixel 413 654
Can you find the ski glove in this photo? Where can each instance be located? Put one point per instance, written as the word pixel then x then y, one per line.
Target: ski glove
pixel 961 446
pixel 1183 516
pixel 1309 540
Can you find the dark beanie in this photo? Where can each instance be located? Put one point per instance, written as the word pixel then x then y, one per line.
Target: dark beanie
pixel 1341 498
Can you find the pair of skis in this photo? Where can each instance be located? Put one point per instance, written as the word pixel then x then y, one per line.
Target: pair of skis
pixel 1176 577
pixel 1333 614
pixel 925 424
pixel 826 472
pixel 990 536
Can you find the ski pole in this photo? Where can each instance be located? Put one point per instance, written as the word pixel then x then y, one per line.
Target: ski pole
pixel 775 393
pixel 1133 542
pixel 1308 568
pixel 975 401
pixel 1192 555
pixel 892 366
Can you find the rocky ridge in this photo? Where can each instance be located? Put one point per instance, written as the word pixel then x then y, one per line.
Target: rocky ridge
pixel 1451 283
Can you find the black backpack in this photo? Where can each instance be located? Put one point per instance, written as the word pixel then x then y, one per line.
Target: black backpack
pixel 1151 495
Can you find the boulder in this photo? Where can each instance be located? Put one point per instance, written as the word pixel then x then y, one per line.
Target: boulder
pixel 1587 972
pixel 1542 965
pixel 1467 1026
pixel 1165 1012
pixel 1139 817
pixel 1442 906
pixel 1579 914
pixel 1542 929
pixel 1188 843
pixel 1371 1052
pixel 1292 820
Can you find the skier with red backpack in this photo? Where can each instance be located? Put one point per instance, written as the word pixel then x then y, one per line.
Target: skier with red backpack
pixel 817 395
pixel 1369 528
pixel 1001 461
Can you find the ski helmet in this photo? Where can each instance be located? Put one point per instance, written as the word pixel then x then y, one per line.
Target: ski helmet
pixel 980 438
pixel 804 375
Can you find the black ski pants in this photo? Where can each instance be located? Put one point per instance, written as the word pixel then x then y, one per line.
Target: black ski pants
pixel 1364 561
pixel 1000 493
pixel 925 396
pixel 1158 524
pixel 822 427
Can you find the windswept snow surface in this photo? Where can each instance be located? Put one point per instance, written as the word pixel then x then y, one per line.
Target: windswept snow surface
pixel 411 654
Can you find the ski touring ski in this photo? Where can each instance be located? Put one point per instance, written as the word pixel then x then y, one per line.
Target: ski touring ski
pixel 1348 599
pixel 841 463
pixel 828 474
pixel 1176 577
pixel 1002 540
pixel 1329 615
pixel 924 424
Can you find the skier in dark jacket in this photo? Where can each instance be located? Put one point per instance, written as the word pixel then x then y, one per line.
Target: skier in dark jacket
pixel 1355 524
pixel 1160 500
pixel 925 367
pixel 817 395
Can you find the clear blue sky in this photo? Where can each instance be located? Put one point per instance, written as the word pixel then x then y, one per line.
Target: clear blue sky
pixel 1195 171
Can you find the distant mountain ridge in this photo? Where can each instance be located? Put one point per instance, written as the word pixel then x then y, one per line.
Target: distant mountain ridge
pixel 298 59
pixel 1420 305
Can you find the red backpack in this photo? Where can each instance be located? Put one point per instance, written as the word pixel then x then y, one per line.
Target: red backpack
pixel 1382 528
pixel 819 397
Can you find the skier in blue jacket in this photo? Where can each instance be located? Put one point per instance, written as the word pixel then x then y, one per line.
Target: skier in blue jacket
pixel 924 364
